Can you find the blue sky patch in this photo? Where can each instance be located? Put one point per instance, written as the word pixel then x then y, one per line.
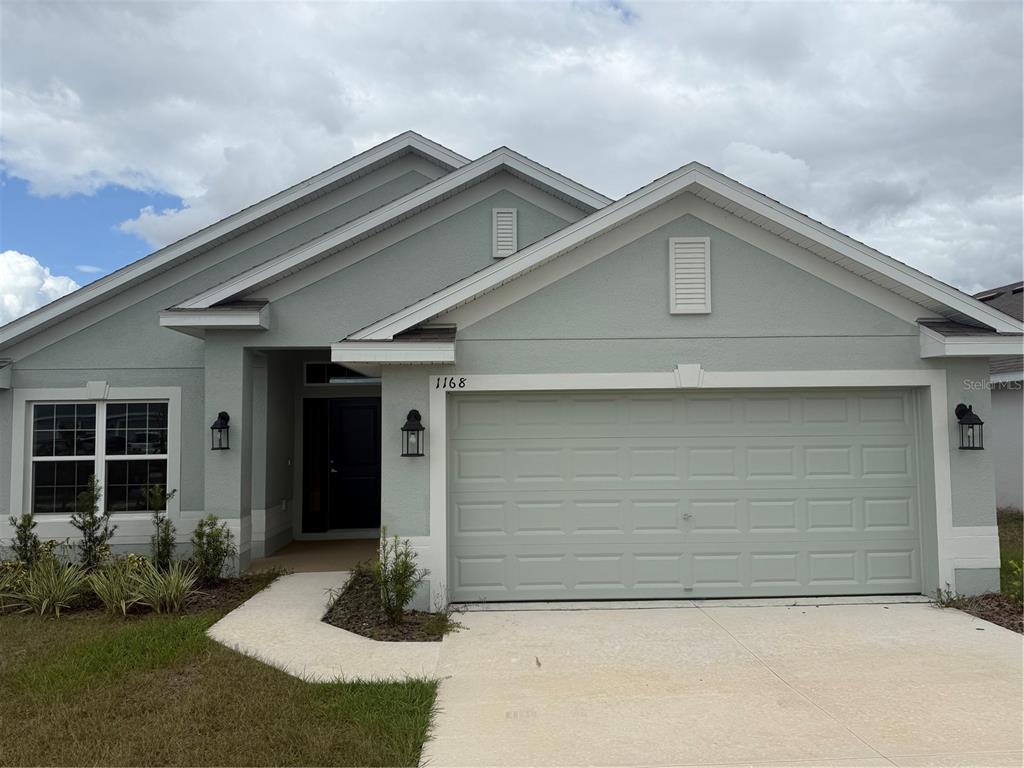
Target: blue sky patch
pixel 69 232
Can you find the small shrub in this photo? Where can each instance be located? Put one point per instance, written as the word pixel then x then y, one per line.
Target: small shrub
pixel 164 591
pixel 1015 582
pixel 113 585
pixel 12 583
pixel 212 547
pixel 51 586
pixel 397 576
pixel 162 541
pixel 25 544
pixel 94 527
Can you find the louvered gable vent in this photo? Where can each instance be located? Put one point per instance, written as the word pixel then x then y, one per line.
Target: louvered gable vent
pixel 689 272
pixel 504 225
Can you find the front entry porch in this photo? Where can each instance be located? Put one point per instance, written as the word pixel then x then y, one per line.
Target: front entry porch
pixel 318 556
pixel 316 458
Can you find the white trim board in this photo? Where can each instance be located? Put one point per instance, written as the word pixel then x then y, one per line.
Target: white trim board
pixel 934 344
pixel 297 258
pixel 694 177
pixel 195 322
pixel 393 352
pixel 231 226
pixel 954 544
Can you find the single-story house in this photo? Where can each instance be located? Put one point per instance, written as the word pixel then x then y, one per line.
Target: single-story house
pixel 1006 380
pixel 692 391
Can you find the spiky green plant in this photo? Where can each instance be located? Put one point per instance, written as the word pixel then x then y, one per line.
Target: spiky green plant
pixel 51 587
pixel 164 591
pixel 12 583
pixel 113 585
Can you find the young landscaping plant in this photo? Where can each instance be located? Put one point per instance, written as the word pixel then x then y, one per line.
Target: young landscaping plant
pixel 397 576
pixel 25 545
pixel 51 586
pixel 212 547
pixel 12 583
pixel 114 586
pixel 164 591
pixel 93 525
pixel 162 541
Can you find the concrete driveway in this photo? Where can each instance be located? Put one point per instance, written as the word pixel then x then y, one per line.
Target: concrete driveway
pixel 713 683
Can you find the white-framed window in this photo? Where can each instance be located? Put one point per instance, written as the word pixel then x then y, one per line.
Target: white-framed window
pixel 124 444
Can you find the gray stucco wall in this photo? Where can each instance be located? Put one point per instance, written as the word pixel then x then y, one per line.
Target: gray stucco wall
pixel 1005 435
pixel 394 277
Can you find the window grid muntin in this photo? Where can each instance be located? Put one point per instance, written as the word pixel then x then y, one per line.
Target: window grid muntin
pixel 98 458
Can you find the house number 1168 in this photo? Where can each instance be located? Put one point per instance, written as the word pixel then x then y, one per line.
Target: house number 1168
pixel 450 382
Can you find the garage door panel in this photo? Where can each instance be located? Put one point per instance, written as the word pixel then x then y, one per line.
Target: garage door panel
pixel 653 462
pixel 590 495
pixel 567 415
pixel 872 515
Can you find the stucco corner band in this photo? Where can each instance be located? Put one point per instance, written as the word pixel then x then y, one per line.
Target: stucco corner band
pixel 956 547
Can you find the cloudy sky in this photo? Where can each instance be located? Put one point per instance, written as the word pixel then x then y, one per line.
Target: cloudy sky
pixel 125 126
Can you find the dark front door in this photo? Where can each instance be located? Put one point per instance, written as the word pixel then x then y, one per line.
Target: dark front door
pixel 341 463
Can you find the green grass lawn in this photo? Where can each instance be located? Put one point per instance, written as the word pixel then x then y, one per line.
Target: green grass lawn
pixel 1011 541
pixel 154 690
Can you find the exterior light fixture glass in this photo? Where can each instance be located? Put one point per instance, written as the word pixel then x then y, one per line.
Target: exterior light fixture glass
pixel 219 432
pixel 412 434
pixel 971 428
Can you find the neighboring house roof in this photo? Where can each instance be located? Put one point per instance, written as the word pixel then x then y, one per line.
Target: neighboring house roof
pixel 1008 299
pixel 229 228
pixel 719 190
pixel 501 159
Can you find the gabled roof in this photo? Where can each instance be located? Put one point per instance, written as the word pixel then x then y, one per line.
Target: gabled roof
pixel 228 228
pixel 717 189
pixel 1008 299
pixel 501 159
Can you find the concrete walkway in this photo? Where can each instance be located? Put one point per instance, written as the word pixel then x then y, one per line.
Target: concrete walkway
pixel 838 685
pixel 281 626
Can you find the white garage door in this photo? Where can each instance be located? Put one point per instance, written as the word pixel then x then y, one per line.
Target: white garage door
pixel 646 495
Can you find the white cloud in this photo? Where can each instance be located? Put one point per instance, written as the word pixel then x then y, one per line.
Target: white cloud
pixel 25 284
pixel 89 269
pixel 868 114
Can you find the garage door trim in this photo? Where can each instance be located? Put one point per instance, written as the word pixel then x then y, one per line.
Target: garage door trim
pixel 953 546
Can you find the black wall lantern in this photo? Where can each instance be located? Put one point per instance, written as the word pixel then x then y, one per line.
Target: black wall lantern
pixel 219 432
pixel 412 434
pixel 971 428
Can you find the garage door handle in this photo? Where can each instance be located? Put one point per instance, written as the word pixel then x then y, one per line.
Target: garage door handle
pixel 687 516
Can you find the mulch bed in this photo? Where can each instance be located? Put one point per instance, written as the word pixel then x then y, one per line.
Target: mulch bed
pixel 994 607
pixel 357 610
pixel 222 597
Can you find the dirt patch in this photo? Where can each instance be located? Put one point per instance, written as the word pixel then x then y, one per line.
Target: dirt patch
pixel 994 607
pixel 228 594
pixel 357 609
